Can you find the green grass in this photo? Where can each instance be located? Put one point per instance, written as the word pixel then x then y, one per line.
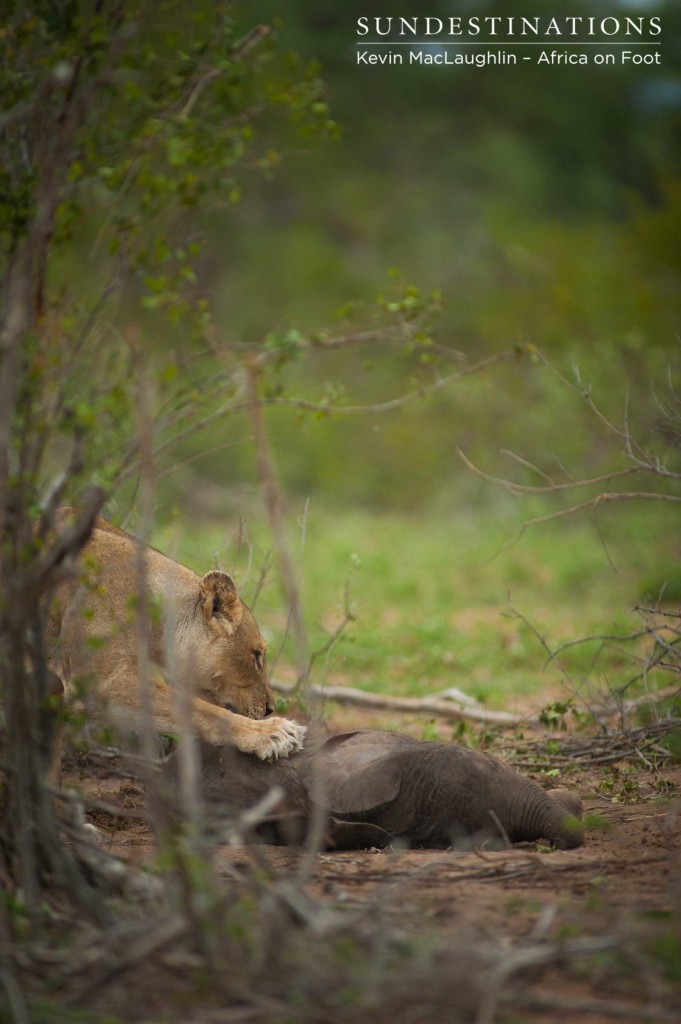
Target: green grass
pixel 438 601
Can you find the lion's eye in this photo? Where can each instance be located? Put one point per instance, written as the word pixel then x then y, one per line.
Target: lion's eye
pixel 259 658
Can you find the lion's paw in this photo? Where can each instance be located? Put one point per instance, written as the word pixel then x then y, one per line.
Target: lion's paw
pixel 276 737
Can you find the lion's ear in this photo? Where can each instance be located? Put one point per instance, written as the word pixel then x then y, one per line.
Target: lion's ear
pixel 219 600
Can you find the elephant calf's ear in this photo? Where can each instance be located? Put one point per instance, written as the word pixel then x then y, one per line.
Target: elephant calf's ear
pixel 219 600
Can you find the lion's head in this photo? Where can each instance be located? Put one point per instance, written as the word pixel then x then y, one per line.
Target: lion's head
pixel 223 650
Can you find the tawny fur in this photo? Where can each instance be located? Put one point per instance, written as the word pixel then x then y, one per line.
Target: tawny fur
pixel 200 632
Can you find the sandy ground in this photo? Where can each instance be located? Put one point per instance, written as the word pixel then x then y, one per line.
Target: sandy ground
pixel 624 882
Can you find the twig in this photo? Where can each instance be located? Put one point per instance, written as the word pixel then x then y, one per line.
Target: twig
pixel 551 488
pixel 274 505
pixel 534 956
pixel 302 677
pixel 68 543
pixel 618 637
pixel 202 84
pixel 115 810
pixel 333 639
pixel 115 873
pixel 571 685
pixel 262 576
pixel 656 611
pixel 200 455
pixel 578 751
pixel 528 465
pixel 591 503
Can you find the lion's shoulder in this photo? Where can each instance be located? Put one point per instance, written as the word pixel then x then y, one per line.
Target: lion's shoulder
pixel 112 559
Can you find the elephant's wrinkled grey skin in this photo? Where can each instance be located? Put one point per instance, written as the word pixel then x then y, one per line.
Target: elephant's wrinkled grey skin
pixel 380 787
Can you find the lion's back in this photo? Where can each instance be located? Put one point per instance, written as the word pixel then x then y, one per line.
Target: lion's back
pixel 99 600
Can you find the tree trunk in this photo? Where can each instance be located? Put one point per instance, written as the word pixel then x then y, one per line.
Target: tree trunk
pixel 34 858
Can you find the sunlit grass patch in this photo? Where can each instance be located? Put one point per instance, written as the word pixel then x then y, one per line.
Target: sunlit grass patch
pixel 440 602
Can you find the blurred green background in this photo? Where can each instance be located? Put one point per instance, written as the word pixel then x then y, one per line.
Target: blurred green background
pixel 545 204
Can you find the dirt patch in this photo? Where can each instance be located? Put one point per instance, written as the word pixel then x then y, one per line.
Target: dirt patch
pixel 623 883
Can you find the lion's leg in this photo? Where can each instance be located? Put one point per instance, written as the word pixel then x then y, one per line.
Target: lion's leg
pixel 266 738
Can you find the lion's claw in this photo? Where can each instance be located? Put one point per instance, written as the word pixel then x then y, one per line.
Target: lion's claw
pixel 277 737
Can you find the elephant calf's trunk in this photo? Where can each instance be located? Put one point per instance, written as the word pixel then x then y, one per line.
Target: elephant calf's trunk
pixel 567 815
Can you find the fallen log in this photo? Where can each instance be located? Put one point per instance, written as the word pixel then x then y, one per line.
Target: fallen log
pixel 414 705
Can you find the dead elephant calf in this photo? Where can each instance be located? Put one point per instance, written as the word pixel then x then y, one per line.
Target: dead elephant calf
pixel 380 787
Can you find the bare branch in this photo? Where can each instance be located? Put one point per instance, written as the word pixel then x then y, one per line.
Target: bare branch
pixel 244 46
pixel 202 84
pixel 592 503
pixel 333 639
pixel 202 454
pixel 262 576
pixel 574 750
pixel 569 682
pixel 616 637
pixel 68 543
pixel 551 488
pixel 528 465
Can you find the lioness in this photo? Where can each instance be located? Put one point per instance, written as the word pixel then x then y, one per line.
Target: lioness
pixel 204 631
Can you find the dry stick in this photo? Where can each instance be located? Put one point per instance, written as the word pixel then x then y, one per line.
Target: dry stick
pixel 448 873
pixel 581 390
pixel 657 611
pixel 414 705
pixel 603 751
pixel 554 1004
pixel 111 871
pixel 15 998
pixel 151 941
pixel 115 810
